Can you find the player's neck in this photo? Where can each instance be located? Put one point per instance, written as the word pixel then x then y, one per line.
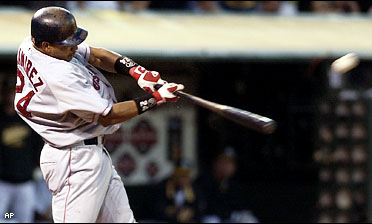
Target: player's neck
pixel 39 49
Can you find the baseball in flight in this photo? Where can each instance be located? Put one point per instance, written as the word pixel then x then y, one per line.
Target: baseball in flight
pixel 345 63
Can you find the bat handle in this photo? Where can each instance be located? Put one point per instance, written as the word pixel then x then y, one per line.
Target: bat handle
pixel 177 93
pixel 158 86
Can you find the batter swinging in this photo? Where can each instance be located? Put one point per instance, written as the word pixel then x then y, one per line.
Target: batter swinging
pixel 62 95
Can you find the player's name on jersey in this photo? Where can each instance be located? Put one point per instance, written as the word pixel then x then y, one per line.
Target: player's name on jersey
pixel 31 72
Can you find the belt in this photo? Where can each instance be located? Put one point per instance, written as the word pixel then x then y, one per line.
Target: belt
pixel 95 141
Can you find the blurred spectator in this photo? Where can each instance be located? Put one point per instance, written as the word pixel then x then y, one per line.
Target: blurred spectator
pixel 270 6
pixel 176 199
pixel 278 7
pixel 239 6
pixel 186 6
pixel 100 5
pixel 334 7
pixel 321 7
pixel 346 7
pixel 137 6
pixel 207 6
pixel 19 156
pixel 225 198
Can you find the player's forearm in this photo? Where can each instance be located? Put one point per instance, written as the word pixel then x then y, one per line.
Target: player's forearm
pixel 103 59
pixel 113 62
pixel 120 112
pixel 123 111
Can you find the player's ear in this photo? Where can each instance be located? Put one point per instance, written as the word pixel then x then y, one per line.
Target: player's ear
pixel 46 46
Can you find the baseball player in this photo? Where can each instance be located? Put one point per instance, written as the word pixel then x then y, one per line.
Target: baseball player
pixel 62 95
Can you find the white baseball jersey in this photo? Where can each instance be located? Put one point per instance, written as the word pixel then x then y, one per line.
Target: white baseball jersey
pixel 62 100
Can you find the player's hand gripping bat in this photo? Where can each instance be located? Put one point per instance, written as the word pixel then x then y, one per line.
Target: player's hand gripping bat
pixel 248 119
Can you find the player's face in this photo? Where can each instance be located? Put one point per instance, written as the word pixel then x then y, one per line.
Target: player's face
pixel 62 52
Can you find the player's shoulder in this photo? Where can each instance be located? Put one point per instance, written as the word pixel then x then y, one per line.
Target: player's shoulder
pixel 67 74
pixel 27 40
pixel 64 69
pixel 83 53
pixel 83 47
pixel 26 43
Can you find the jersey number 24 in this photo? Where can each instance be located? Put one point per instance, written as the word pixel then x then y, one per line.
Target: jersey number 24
pixel 26 99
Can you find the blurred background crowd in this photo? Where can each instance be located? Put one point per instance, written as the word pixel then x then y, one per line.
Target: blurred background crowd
pixel 242 176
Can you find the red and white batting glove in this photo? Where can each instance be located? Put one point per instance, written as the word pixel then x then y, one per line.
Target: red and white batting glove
pixel 146 79
pixel 166 93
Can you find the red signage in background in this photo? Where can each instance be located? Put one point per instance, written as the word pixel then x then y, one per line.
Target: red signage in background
pixel 126 164
pixel 113 141
pixel 143 136
pixel 152 169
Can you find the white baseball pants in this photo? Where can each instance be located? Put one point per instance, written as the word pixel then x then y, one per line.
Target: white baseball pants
pixel 85 185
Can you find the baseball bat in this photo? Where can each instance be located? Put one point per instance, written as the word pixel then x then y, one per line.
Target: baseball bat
pixel 248 119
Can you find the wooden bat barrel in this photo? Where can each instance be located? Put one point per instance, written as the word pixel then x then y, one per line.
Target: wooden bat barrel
pixel 248 119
